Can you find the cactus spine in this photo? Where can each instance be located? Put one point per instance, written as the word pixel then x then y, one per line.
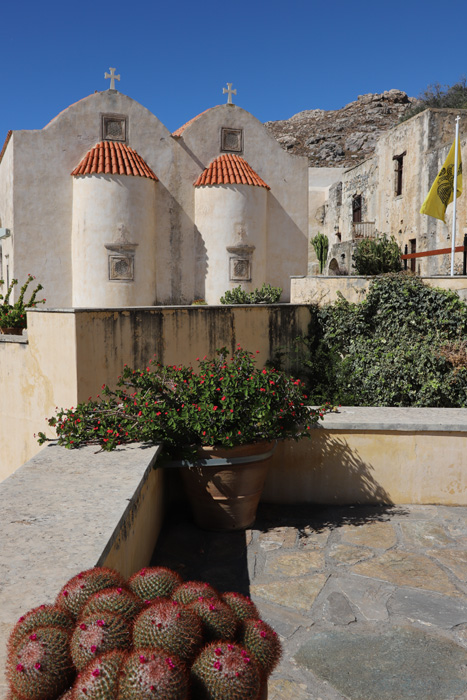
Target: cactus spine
pixel 40 667
pixel 153 675
pixel 242 606
pixel 99 680
pixel 154 582
pixel 225 671
pixel 96 634
pixel 260 640
pixel 192 590
pixel 218 619
pixel 75 593
pixel 117 601
pixel 169 626
pixel 42 616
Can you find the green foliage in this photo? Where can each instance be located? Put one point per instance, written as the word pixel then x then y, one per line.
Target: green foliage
pixel 170 626
pixel 199 302
pixel 96 634
pixel 321 245
pixel 228 402
pixel 154 582
pixel 153 676
pixel 14 315
pixel 401 346
pixel 375 256
pixel 440 96
pixel 225 672
pixel 265 295
pixel 40 667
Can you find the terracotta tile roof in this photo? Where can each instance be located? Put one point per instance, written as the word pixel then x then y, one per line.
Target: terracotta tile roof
pixel 181 129
pixel 113 158
pixel 230 169
pixel 7 141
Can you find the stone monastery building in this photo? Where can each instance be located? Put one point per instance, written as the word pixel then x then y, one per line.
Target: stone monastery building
pixel 107 208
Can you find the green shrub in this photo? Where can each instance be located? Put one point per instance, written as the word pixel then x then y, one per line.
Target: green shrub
pixel 265 295
pixel 375 256
pixel 403 345
pixel 440 97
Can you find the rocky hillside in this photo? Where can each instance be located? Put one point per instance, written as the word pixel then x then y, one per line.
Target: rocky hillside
pixel 341 137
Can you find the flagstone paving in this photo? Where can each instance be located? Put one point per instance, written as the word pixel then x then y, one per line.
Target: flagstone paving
pixel 370 603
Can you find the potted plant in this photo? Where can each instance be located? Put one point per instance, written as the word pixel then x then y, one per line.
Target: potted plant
pixel 13 316
pixel 220 422
pixel 152 637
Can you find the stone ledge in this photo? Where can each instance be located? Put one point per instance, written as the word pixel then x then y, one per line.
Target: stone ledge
pixel 396 419
pixel 65 511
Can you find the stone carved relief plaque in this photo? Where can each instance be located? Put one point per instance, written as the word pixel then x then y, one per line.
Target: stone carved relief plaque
pixel 114 127
pixel 240 270
pixel 231 140
pixel 121 267
pixel 240 262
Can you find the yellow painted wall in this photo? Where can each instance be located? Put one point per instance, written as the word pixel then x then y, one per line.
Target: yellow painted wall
pixel 34 378
pixel 345 467
pixel 138 535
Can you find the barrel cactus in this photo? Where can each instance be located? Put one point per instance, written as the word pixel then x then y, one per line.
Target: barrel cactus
pixel 218 619
pixel 153 675
pixel 192 590
pixel 40 667
pixel 225 671
pixel 118 601
pixel 154 582
pixel 96 634
pixel 170 626
pixel 242 606
pixel 99 679
pixel 75 593
pixel 262 642
pixel 42 616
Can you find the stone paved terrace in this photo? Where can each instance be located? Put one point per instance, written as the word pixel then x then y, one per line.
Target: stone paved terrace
pixel 370 602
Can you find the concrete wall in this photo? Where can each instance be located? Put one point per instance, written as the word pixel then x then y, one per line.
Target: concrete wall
pixel 71 353
pixel 108 210
pixel 324 290
pixel 228 216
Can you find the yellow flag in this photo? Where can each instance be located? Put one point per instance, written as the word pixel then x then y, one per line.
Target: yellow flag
pixel 442 190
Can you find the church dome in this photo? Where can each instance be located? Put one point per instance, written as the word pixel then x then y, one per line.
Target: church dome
pixel 113 158
pixel 230 169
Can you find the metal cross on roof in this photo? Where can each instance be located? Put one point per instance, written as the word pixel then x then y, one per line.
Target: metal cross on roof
pixel 112 77
pixel 230 92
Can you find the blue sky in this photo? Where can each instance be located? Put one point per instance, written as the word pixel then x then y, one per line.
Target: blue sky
pixel 174 58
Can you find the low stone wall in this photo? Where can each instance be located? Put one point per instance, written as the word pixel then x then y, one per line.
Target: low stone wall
pixel 375 455
pixel 65 511
pixel 324 290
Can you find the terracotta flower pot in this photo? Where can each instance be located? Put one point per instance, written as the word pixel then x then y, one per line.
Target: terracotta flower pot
pixel 225 485
pixel 12 331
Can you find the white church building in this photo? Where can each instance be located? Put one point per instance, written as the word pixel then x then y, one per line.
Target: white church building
pixel 107 208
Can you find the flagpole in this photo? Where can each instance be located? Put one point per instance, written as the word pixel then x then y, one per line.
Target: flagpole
pixel 456 158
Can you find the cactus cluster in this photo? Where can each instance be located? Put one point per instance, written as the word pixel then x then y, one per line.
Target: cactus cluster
pixel 153 637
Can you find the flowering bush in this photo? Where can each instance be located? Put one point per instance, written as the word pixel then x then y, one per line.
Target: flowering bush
pixel 14 315
pixel 227 402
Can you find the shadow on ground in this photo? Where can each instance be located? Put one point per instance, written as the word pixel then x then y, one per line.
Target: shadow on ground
pixel 221 558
